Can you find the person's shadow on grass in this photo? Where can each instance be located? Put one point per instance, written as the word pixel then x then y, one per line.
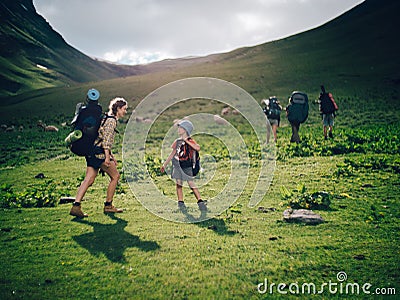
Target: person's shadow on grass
pixel 217 225
pixel 111 239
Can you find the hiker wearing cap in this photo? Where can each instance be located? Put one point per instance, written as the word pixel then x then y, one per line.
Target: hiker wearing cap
pixel 101 158
pixel 182 148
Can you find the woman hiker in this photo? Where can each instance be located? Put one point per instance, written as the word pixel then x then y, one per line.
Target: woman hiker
pixel 102 158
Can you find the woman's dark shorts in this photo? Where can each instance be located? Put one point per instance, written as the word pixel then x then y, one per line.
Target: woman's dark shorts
pixel 93 161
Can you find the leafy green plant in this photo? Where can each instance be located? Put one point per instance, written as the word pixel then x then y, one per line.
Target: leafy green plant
pixel 43 195
pixel 153 164
pixel 351 166
pixel 300 198
pixel 344 170
pixel 378 138
pixel 375 215
pixel 7 196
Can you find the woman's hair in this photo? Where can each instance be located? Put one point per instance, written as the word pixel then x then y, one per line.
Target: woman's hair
pixel 115 104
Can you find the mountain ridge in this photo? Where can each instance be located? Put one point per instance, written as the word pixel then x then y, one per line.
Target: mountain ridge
pixel 355 54
pixel 28 41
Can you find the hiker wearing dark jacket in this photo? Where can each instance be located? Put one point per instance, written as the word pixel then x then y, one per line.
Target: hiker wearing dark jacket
pixel 102 158
pixel 327 107
pixel 295 138
pixel 297 113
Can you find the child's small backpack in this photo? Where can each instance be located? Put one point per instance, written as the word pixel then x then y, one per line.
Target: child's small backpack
pixel 327 104
pixel 298 107
pixel 87 120
pixel 188 157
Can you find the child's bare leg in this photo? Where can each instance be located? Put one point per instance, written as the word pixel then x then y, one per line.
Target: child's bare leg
pixel 200 202
pixel 268 133
pixel 179 191
pixel 274 130
pixel 195 190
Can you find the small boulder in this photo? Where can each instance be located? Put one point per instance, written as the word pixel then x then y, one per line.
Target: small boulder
pixel 302 216
pixel 219 120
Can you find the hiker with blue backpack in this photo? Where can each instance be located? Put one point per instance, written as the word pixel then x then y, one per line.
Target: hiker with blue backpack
pixel 272 110
pixel 297 113
pixel 96 133
pixel 327 107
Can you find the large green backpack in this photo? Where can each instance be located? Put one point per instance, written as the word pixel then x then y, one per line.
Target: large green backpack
pixel 298 107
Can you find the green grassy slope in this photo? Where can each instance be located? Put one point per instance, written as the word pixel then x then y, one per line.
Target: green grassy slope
pixel 354 55
pixel 27 40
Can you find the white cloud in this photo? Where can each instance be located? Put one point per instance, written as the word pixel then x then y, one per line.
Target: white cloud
pixel 251 22
pixel 130 57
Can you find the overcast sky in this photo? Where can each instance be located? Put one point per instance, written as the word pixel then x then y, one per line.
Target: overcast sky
pixel 141 31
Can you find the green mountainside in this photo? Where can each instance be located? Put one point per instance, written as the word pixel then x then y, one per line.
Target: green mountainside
pixel 34 56
pixel 354 55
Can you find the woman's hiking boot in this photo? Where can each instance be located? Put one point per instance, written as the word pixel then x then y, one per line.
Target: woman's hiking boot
pixel 76 211
pixel 109 208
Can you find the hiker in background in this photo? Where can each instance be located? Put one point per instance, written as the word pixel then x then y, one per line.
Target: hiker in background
pixel 297 113
pixel 272 110
pixel 102 158
pixel 181 149
pixel 327 107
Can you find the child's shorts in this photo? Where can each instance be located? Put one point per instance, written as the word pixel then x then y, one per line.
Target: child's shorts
pixel 327 119
pixel 274 122
pixel 184 174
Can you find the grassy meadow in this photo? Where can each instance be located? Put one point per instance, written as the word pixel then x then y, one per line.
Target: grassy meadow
pixel 136 255
pixel 352 181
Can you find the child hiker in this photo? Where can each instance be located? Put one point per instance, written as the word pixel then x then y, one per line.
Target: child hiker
pixel 181 172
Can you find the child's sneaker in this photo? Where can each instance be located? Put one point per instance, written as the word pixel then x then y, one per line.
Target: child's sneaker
pixel 202 205
pixel 331 134
pixel 76 211
pixel 109 208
